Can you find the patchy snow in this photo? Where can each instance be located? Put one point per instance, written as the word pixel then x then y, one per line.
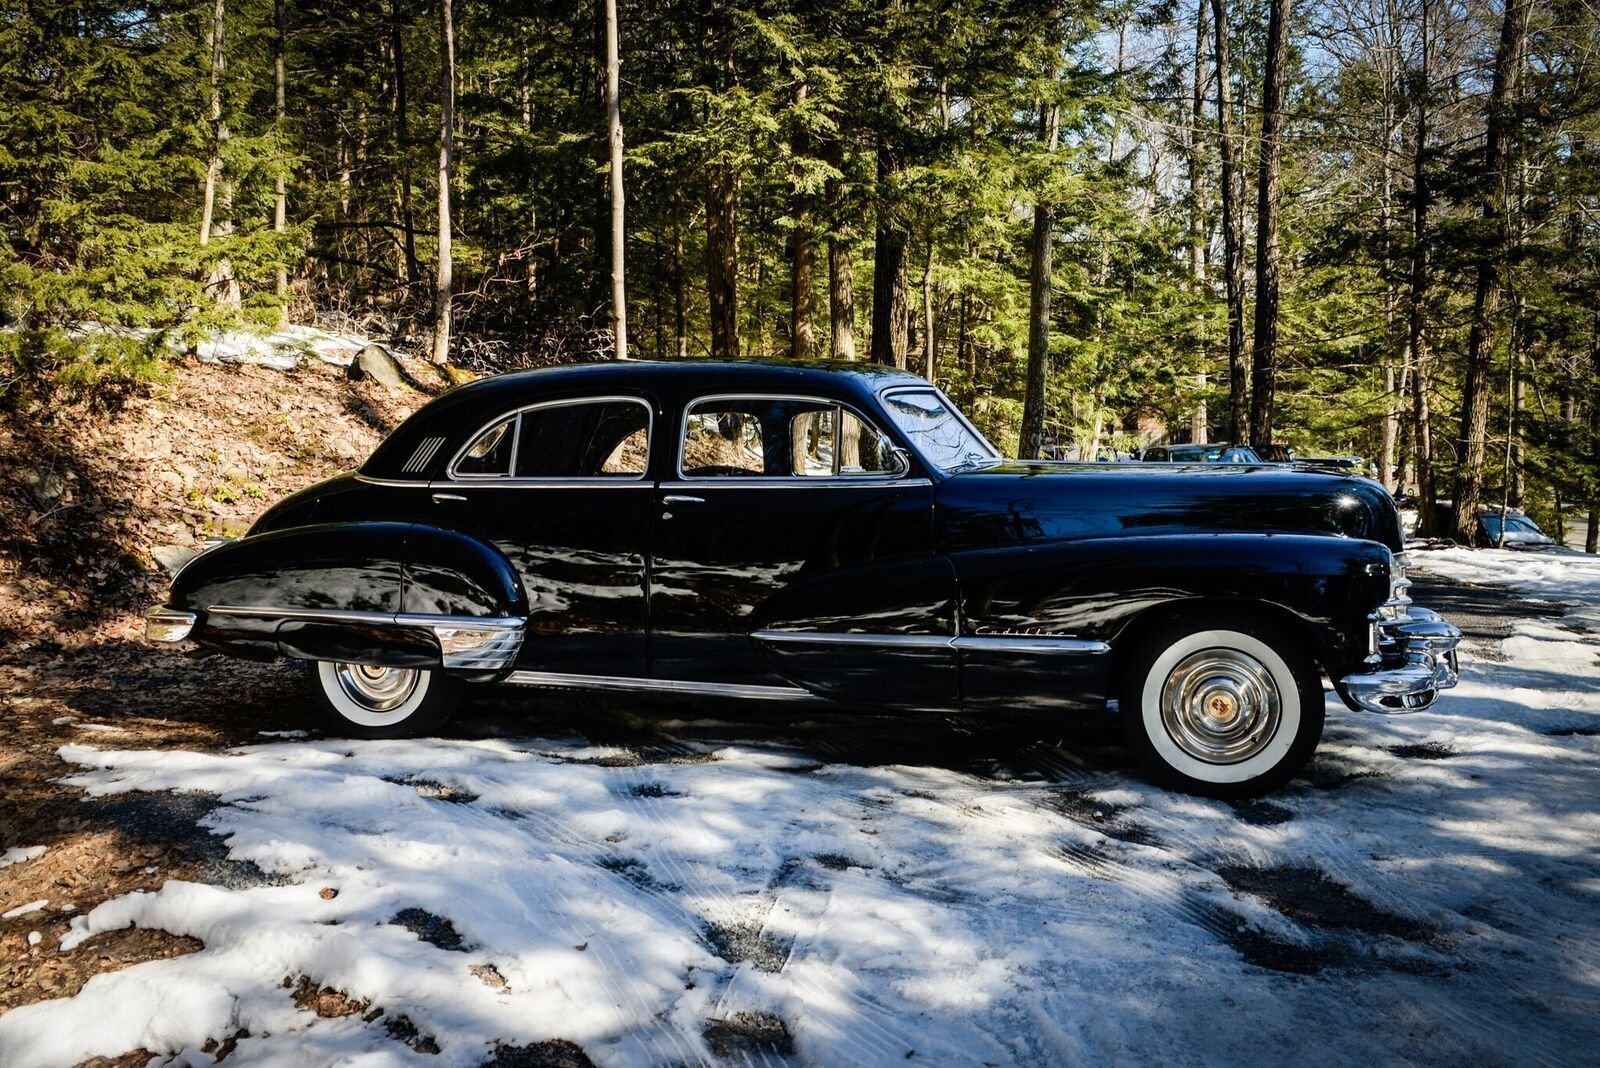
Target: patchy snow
pixel 1427 893
pixel 20 854
pixel 1556 574
pixel 23 910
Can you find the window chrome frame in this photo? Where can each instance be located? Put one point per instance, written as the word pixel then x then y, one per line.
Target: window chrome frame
pixel 928 387
pixel 879 478
pixel 510 478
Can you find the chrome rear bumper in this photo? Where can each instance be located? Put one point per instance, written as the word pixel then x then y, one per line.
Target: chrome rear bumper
pixel 167 625
pixel 1428 643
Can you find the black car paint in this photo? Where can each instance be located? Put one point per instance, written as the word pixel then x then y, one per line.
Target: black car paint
pixel 616 581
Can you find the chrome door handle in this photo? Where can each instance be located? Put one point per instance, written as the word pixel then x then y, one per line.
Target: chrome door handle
pixel 675 498
pixel 441 498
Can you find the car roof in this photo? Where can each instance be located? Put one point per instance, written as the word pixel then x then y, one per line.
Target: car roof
pixel 465 408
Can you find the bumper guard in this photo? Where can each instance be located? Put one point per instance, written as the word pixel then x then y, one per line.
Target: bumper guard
pixel 1428 643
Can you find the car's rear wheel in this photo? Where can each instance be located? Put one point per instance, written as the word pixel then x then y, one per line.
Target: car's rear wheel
pixel 1221 706
pixel 367 701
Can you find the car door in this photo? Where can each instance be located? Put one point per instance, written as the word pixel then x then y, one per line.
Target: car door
pixel 561 489
pixel 793 545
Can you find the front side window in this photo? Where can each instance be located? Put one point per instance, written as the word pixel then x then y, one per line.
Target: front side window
pixel 775 437
pixel 588 439
pixel 939 432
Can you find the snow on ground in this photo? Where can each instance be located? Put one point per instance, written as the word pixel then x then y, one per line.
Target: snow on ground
pixel 1429 893
pixel 20 854
pixel 1556 574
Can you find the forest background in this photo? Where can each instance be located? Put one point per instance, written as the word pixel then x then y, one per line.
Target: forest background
pixel 1350 226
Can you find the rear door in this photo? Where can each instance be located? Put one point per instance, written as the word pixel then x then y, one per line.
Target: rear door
pixel 561 489
pixel 793 544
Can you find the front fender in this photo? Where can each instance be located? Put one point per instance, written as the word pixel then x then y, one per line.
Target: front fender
pixel 1094 589
pixel 374 592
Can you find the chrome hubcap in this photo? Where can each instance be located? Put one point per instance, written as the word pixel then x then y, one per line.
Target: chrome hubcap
pixel 1220 705
pixel 379 689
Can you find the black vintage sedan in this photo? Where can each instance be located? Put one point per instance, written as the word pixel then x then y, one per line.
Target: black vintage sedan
pixel 837 533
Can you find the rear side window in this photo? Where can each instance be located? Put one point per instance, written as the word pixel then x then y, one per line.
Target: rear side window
pixel 778 437
pixel 586 439
pixel 490 453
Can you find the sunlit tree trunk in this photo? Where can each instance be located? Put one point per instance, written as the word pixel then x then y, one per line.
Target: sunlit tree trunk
pixel 280 204
pixel 1417 299
pixel 402 122
pixel 216 215
pixel 1199 418
pixel 1232 228
pixel 619 294
pixel 1264 351
pixel 841 266
pixel 1473 442
pixel 1031 442
pixel 443 282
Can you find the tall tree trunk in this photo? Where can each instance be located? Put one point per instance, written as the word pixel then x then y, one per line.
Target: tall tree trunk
pixel 443 282
pixel 402 121
pixel 619 292
pixel 841 299
pixel 1417 300
pixel 841 265
pixel 1031 442
pixel 802 287
pixel 722 260
pixel 930 349
pixel 680 318
pixel 1591 538
pixel 280 203
pixel 802 248
pixel 1473 442
pixel 1232 228
pixel 1264 353
pixel 1199 418
pixel 216 215
pixel 891 318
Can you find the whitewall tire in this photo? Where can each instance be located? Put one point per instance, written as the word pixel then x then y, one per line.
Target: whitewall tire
pixel 1221 706
pixel 377 702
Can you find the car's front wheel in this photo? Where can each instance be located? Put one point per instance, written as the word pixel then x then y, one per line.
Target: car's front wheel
pixel 1222 706
pixel 367 701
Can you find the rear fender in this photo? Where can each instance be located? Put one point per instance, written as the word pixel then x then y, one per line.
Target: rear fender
pixel 395 594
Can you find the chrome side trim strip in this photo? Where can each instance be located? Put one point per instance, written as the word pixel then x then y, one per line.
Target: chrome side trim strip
pixel 633 685
pixel 977 643
pixel 408 483
pixel 336 615
pixel 799 637
pixel 1030 644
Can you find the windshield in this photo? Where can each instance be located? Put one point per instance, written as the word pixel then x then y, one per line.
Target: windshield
pixel 940 433
pixel 1515 524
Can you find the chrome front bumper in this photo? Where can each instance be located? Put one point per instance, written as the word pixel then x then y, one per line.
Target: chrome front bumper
pixel 1428 644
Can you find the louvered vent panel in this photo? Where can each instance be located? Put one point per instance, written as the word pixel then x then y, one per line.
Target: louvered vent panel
pixel 423 456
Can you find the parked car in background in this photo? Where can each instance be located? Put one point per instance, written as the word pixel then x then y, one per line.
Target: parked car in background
pixel 835 533
pixel 1200 454
pixel 1509 528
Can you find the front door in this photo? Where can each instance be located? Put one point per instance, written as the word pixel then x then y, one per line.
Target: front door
pixel 792 544
pixel 560 488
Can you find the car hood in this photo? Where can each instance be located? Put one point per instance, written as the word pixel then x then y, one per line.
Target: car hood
pixel 1022 500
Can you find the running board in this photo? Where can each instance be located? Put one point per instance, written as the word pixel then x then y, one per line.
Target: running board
pixel 622 683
